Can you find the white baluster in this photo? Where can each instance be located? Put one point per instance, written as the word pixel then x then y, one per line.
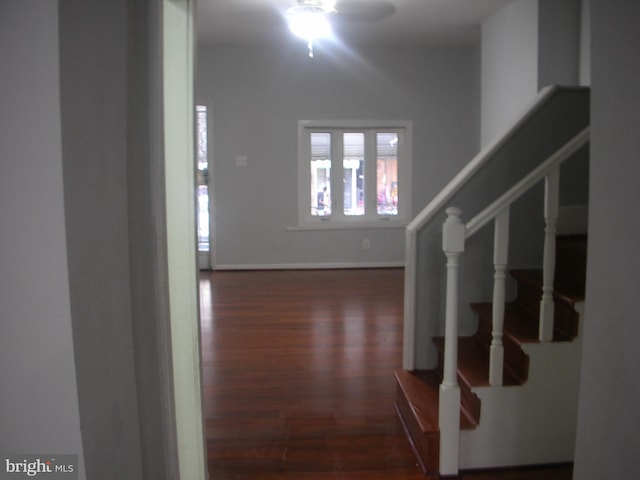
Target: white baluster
pixel 453 234
pixel 551 200
pixel 500 256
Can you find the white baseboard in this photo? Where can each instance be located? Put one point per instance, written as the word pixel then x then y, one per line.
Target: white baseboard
pixel 308 266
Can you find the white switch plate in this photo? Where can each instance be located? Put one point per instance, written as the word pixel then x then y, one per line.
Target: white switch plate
pixel 241 160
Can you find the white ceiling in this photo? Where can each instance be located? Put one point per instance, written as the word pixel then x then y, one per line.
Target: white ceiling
pixel 425 22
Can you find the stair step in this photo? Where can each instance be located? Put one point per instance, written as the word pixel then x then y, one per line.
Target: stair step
pixel 566 295
pixel 417 395
pixel 566 290
pixel 473 364
pixel 519 324
pixel 417 400
pixel 417 408
pixel 519 327
pixel 571 257
pixel 570 269
pixel 473 371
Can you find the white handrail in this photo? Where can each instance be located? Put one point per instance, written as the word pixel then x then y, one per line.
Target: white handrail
pixel 520 188
pixel 438 204
pixel 476 164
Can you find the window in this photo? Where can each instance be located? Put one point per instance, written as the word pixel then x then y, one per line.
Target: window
pixel 354 173
pixel 202 179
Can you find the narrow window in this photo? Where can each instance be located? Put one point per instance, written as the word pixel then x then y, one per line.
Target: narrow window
pixel 353 173
pixel 387 173
pixel 320 154
pixel 202 179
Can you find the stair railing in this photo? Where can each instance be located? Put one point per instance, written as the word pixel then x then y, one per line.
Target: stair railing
pixel 454 236
pixel 437 205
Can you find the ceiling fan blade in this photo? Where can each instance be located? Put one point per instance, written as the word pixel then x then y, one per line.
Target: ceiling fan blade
pixel 369 11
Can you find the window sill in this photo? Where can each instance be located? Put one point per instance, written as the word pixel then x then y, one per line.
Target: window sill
pixel 337 225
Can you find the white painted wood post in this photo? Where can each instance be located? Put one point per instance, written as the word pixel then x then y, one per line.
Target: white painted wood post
pixel 453 234
pixel 500 259
pixel 409 331
pixel 551 201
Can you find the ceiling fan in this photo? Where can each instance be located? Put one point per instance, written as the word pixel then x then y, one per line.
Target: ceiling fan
pixel 310 19
pixel 364 10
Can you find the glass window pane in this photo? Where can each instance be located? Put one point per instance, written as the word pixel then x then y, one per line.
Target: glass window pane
pixel 203 218
pixel 202 178
pixel 320 157
pixel 387 174
pixel 201 117
pixel 353 173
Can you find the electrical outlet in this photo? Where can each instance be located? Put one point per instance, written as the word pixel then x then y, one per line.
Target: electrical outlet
pixel 366 243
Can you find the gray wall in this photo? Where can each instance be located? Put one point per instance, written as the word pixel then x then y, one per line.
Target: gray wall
pixel 256 97
pixel 608 439
pixel 93 85
pixel 509 65
pixel 584 71
pixel 527 45
pixel 558 42
pixel 110 78
pixel 39 411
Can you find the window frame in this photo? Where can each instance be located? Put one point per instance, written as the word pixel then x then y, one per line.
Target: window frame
pixel 370 219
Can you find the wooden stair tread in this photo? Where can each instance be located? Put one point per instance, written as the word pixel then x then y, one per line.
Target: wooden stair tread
pixel 565 290
pixel 422 392
pixel 516 324
pixel 566 295
pixel 417 400
pixel 473 362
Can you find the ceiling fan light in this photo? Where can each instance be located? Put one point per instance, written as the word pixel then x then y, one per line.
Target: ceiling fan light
pixel 309 24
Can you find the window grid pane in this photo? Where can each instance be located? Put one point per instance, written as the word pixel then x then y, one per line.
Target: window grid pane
pixel 353 174
pixel 320 158
pixel 387 173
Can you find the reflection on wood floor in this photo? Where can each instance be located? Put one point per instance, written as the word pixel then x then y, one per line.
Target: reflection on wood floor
pixel 298 376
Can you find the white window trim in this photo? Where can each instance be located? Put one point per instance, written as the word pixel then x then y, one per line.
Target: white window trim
pixel 405 157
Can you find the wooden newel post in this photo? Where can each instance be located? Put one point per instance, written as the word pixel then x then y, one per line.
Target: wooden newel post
pixel 453 236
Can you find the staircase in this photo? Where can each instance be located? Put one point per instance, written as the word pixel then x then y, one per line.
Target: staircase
pixel 530 418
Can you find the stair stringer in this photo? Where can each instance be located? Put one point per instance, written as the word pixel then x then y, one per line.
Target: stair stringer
pixel 534 423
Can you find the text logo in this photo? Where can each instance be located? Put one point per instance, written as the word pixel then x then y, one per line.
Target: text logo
pixel 50 467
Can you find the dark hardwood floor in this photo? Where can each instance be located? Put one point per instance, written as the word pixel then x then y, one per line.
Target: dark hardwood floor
pixel 298 377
